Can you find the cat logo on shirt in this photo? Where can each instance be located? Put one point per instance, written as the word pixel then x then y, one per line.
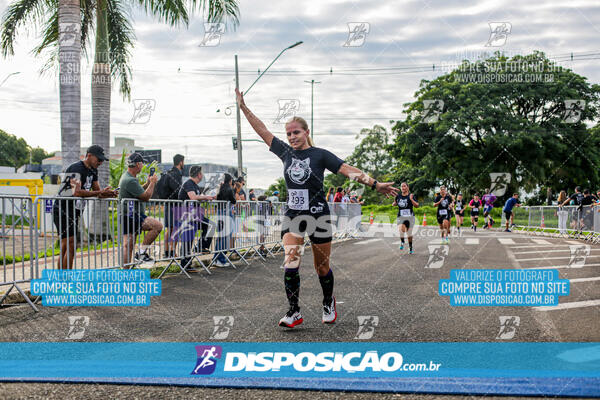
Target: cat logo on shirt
pixel 299 170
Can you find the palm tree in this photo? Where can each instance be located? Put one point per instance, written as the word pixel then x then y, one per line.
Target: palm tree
pixel 69 56
pixel 114 41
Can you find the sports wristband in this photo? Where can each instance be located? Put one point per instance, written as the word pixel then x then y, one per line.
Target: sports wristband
pixel 374 185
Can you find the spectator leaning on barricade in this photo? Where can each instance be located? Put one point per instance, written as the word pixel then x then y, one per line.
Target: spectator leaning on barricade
pixel 225 214
pixel 134 220
pixel 562 196
pixel 83 180
pixel 580 200
pixel 508 213
pixel 191 191
pixel 167 188
pixel 274 198
pixel 330 195
pixel 337 198
pixel 242 193
pixel 264 210
pixel 251 195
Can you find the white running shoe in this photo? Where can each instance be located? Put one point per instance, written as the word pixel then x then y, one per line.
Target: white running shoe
pixel 291 319
pixel 329 312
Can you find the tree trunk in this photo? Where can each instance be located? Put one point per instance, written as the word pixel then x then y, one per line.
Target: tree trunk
pixel 101 87
pixel 69 53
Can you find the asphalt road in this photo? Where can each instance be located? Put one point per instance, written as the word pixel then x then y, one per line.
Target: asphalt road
pixel 373 278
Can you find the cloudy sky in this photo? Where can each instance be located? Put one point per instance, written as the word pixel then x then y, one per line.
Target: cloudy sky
pixel 188 82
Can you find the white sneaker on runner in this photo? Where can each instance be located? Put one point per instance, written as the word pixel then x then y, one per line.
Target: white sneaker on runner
pixel 329 312
pixel 291 319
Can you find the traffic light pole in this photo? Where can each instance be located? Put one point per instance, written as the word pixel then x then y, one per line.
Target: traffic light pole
pixel 239 122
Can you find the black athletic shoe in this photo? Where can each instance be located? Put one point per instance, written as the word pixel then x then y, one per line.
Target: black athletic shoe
pixel 143 257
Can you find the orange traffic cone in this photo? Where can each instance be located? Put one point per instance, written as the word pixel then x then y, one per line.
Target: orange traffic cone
pixel 543 223
pixel 424 219
pixel 371 218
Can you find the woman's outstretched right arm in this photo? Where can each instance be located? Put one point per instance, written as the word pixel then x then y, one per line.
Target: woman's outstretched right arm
pixel 256 123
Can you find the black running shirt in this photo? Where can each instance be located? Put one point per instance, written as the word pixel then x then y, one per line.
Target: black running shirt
pixel 303 171
pixel 459 206
pixel 444 204
pixel 405 206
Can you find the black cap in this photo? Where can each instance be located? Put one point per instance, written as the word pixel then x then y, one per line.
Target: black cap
pixel 135 158
pixel 97 151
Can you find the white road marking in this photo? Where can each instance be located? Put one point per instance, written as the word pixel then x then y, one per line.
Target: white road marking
pixel 368 241
pixel 550 258
pixel 540 241
pixel 537 246
pixel 563 266
pixel 564 306
pixel 595 278
pixel 573 242
pixel 472 241
pixel 506 241
pixel 549 251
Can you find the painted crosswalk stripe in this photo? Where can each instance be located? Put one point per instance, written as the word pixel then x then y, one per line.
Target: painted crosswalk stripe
pixel 595 278
pixel 551 258
pixel 506 241
pixel 471 241
pixel 574 304
pixel 540 241
pixel 549 251
pixel 562 266
pixel 368 241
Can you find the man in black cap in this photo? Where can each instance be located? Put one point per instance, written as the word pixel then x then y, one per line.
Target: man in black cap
pixel 82 178
pixel 135 220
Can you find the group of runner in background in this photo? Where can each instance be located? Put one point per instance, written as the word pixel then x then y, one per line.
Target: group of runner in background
pixel 449 205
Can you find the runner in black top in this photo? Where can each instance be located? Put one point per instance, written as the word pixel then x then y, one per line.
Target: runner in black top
pixel 459 208
pixel 406 217
pixel 304 167
pixel 443 202
pixel 475 205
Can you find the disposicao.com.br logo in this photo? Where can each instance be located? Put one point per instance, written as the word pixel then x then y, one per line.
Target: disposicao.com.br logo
pixel 349 362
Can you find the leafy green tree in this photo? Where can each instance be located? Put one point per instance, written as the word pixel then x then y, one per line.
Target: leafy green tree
pixel 14 152
pixel 515 127
pixel 280 186
pixel 38 154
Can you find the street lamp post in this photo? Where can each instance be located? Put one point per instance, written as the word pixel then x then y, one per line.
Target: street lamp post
pixel 312 87
pixel 239 123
